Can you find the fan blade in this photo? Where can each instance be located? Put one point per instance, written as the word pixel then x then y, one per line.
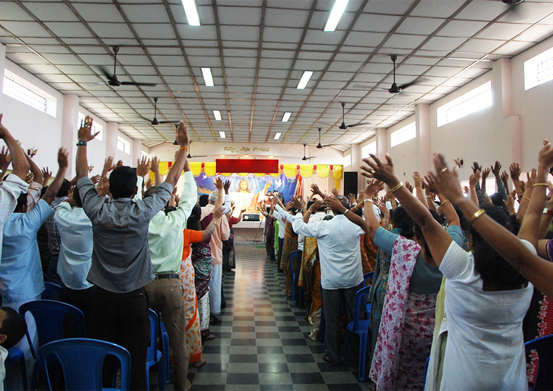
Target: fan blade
pixel 193 157
pixel 106 73
pixel 357 124
pixel 166 122
pixel 130 83
pixel 416 81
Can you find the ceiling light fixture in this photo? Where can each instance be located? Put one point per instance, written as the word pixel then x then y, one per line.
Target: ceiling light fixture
pixel 304 79
pixel 247 155
pixel 222 155
pixel 217 115
pixel 222 134
pixel 336 14
pixel 277 136
pixel 286 117
pixel 208 78
pixel 191 12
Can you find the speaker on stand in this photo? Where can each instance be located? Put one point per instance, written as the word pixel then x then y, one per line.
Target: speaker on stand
pixel 350 183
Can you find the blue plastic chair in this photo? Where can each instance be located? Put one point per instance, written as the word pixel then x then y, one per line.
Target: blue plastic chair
pixel 165 346
pixel 49 315
pixel 295 255
pixel 154 356
pixel 81 360
pixel 15 354
pixel 51 291
pixel 360 327
pixel 367 276
pixel 544 347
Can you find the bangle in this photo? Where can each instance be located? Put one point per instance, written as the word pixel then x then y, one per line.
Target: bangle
pixel 396 187
pixel 444 201
pixel 476 215
pixel 345 211
pixel 367 200
pixel 526 198
pixel 540 184
pixel 81 143
pixel 354 206
pixel 183 149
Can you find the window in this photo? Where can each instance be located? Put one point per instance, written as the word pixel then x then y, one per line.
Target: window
pixel 368 149
pixel 95 127
pixel 404 134
pixel 123 145
pixel 538 70
pixel 346 160
pixel 25 92
pixel 466 104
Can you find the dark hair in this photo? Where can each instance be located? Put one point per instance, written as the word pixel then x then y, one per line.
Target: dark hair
pixel 463 222
pixel 193 221
pixel 122 182
pixel 77 197
pixel 21 202
pixel 491 266
pixel 13 326
pixel 64 189
pixel 419 234
pixel 204 200
pixel 403 221
pixel 169 209
pixel 328 217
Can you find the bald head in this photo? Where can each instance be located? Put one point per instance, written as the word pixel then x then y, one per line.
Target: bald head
pixel 344 201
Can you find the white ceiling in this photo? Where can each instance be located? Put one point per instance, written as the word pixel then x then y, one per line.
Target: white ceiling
pixel 258 50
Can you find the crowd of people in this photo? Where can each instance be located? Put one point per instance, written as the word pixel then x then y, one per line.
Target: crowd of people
pixel 460 277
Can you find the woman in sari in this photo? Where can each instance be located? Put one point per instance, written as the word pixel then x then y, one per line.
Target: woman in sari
pixel 290 244
pixel 407 320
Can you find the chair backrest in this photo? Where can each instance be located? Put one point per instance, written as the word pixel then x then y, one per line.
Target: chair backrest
pixel 359 303
pixel 367 276
pixel 49 315
pixel 544 347
pixel 154 327
pixel 82 360
pixel 294 255
pixel 51 291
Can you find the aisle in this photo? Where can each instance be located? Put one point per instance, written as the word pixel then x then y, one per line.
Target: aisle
pixel 260 343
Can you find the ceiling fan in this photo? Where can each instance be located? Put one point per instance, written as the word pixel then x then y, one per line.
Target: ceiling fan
pixel 114 81
pixel 155 121
pixel 189 156
pixel 305 157
pixel 395 89
pixel 319 145
pixel 343 124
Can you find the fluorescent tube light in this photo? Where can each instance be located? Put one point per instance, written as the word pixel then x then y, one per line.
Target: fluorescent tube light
pixel 304 79
pixel 277 136
pixel 208 78
pixel 191 12
pixel 222 134
pixel 217 115
pixel 336 14
pixel 286 117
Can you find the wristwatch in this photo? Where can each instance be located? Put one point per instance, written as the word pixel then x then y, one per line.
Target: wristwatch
pixel 81 142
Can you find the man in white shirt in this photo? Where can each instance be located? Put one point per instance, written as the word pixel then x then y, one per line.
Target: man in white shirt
pixel 341 269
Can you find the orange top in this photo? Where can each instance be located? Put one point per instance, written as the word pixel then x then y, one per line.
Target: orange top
pixel 190 236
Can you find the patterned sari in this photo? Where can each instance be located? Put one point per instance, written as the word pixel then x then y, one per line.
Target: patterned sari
pixel 193 335
pixel 290 244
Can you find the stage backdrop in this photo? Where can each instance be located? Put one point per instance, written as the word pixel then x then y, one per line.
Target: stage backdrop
pixel 248 190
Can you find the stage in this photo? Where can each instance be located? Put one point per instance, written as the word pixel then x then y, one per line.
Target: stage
pixel 249 231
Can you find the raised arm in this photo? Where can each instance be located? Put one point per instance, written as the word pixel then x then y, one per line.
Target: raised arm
pixel 20 166
pixel 537 270
pixel 221 192
pixel 437 238
pixel 206 233
pixel 58 180
pixel 176 169
pixel 155 170
pixel 447 207
pixel 108 166
pixel 418 188
pixel 38 177
pixel 85 135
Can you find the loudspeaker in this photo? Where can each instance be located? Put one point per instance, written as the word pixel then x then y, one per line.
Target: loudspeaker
pixel 250 217
pixel 350 183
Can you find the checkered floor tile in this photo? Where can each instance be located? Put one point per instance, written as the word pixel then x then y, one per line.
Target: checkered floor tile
pixel 261 340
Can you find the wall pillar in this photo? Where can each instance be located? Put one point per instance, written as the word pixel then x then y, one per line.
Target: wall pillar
pixel 136 150
pixel 2 66
pixel 69 129
pixel 381 143
pixel 112 128
pixel 422 118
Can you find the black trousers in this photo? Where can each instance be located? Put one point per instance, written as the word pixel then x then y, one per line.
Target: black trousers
pixel 83 300
pixel 122 318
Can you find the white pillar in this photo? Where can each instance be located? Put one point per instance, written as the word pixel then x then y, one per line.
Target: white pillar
pixel 422 118
pixel 381 143
pixel 2 66
pixel 112 128
pixel 136 150
pixel 69 129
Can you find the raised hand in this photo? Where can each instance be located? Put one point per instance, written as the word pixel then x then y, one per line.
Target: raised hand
pixel 154 165
pixel 219 184
pixel 182 134
pixel 334 192
pixel 4 159
pixel 227 186
pixel 496 169
pixel 63 158
pixel 334 203
pixel 95 179
pixel 298 202
pixel 514 168
pixel 351 198
pixel 446 181
pixel 143 166
pixel 372 188
pixel 379 170
pixel 85 131
pixel 29 178
pixel 408 186
pixel 108 165
pixel 417 180
pixel 505 177
pixel 510 204
pixel 545 157
pixel 485 173
pixel 119 164
pixel 476 166
pixel 316 206
pixel 103 186
pixel 474 178
pixel 430 183
pixel 315 189
pixel 531 178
